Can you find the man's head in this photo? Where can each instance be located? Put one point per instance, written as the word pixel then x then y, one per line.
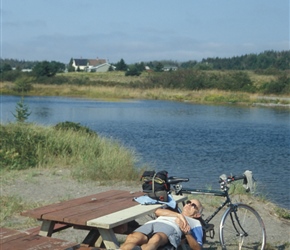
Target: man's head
pixel 192 208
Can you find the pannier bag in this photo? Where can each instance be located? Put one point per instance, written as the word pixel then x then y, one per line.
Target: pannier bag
pixel 155 184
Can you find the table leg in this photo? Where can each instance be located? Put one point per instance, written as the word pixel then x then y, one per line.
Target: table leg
pixel 46 228
pixel 109 238
pixel 93 238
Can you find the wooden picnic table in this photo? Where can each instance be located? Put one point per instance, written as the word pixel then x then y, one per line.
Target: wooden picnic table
pixel 100 214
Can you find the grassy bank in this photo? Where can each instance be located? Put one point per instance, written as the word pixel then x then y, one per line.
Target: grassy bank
pixel 117 93
pixel 88 155
pixel 175 86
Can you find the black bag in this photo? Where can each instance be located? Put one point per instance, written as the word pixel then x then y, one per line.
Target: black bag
pixel 155 184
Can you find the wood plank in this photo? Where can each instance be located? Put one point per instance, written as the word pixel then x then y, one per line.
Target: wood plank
pixel 36 242
pixel 109 239
pixel 118 218
pixel 88 212
pixel 39 212
pixel 16 240
pixel 126 215
pixel 7 235
pixel 80 213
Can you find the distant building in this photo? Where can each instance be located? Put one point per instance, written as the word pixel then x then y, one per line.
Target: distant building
pixel 100 68
pixel 26 70
pixel 91 65
pixel 169 68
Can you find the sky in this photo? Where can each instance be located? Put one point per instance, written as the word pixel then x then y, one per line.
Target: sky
pixel 58 30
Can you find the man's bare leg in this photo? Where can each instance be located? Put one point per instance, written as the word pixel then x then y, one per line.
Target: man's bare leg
pixel 157 240
pixel 134 239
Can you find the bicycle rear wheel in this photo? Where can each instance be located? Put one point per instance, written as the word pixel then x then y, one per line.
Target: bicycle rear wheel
pixel 242 228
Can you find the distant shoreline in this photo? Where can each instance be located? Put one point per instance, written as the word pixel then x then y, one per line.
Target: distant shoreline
pixel 111 93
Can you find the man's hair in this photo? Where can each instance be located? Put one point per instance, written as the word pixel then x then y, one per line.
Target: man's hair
pixel 200 210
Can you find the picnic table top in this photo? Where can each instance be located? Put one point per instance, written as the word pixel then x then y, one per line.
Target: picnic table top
pixel 103 210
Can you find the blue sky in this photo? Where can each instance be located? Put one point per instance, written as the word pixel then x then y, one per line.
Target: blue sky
pixel 141 30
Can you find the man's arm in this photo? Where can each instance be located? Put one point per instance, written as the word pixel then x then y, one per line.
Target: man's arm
pixel 180 219
pixel 183 224
pixel 192 242
pixel 166 212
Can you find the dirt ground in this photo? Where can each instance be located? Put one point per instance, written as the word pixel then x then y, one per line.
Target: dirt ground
pixel 39 187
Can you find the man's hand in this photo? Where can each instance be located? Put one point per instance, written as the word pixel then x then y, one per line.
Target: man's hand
pixel 182 223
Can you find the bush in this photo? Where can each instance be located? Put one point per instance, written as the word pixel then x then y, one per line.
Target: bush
pixel 280 86
pixel 11 76
pixel 133 71
pixel 74 127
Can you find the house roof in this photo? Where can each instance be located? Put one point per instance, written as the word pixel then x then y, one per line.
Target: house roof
pixel 89 62
pixel 96 62
pixel 81 62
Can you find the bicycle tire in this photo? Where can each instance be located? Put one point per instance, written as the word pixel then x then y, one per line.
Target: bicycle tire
pixel 248 233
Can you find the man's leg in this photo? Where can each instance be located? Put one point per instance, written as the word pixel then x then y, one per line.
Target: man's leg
pixel 134 239
pixel 157 240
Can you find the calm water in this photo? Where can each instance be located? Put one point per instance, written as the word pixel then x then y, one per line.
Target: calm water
pixel 196 141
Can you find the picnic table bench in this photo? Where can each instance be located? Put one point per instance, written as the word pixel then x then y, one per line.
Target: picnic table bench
pixel 102 215
pixel 16 240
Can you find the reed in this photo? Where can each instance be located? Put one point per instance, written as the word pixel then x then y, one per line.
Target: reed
pixel 118 93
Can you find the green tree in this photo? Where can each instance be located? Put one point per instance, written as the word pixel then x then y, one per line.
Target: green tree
pixel 133 71
pixel 121 65
pixel 48 69
pixel 6 67
pixel 70 68
pixel 159 67
pixel 22 111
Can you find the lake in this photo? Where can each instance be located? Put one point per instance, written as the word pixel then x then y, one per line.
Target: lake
pixel 188 140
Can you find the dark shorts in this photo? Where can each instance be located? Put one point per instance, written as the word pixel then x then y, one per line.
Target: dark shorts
pixel 150 229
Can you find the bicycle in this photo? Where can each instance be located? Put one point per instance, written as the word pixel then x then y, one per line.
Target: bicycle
pixel 241 226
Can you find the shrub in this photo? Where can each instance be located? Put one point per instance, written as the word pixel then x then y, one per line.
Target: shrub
pixel 11 76
pixel 133 71
pixel 73 126
pixel 280 86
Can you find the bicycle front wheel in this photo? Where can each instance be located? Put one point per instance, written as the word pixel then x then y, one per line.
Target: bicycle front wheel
pixel 242 228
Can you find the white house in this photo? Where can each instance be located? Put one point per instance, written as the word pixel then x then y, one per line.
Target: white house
pixel 89 64
pixel 100 68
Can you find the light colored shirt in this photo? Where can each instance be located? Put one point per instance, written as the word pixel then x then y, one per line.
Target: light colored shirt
pixel 195 226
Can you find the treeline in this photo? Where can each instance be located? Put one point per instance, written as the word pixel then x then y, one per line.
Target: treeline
pixel 16 64
pixel 203 75
pixel 229 81
pixel 265 60
pixel 279 60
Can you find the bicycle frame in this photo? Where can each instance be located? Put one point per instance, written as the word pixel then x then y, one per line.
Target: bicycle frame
pixel 208 192
pixel 239 228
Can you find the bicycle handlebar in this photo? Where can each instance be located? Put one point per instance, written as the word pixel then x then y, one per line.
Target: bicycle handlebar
pixel 175 180
pixel 231 178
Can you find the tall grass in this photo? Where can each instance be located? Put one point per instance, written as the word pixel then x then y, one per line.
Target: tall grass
pixel 87 155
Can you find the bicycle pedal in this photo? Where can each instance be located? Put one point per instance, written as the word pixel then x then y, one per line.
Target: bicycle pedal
pixel 209 227
pixel 209 230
